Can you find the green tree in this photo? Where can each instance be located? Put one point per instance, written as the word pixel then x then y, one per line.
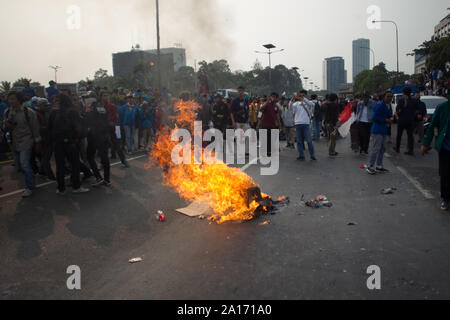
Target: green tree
pixel 439 54
pixel 21 82
pixel 5 87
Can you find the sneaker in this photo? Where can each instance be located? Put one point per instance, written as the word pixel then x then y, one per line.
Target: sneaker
pixel 313 159
pixel 397 150
pixel 107 183
pixel 27 193
pixel 60 193
pixel 382 170
pixel 334 154
pixel 301 159
pixel 126 165
pixel 445 206
pixel 371 171
pixel 81 190
pixel 98 182
pixel 409 154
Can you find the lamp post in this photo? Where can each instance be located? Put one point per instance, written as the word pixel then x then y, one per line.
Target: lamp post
pixel 269 47
pixel 56 68
pixel 396 35
pixel 373 53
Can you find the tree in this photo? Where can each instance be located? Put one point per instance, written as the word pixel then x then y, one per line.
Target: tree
pixel 439 54
pixel 5 87
pixel 21 82
pixel 378 79
pixel 184 79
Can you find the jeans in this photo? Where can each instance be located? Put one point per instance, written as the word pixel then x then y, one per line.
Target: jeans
pixel 364 136
pixel 22 159
pixel 378 150
pixel 304 133
pixel 316 129
pixel 129 136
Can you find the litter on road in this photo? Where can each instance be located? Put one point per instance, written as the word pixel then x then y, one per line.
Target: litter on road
pixel 135 260
pixel 388 191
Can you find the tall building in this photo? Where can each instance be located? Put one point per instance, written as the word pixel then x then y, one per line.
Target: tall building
pixel 442 29
pixel 334 74
pixel 179 56
pixel 361 56
pixel 124 63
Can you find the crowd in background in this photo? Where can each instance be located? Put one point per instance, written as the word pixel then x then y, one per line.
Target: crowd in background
pixel 102 125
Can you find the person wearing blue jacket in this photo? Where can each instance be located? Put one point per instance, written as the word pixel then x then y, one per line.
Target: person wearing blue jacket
pixel 148 128
pixel 381 118
pixel 128 116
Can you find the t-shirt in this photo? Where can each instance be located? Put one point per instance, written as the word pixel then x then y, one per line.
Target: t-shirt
pixel 29 92
pixel 365 114
pixel 220 115
pixel 270 116
pixel 51 91
pixel 239 109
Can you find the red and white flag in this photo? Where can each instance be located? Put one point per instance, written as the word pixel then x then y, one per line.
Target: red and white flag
pixel 346 119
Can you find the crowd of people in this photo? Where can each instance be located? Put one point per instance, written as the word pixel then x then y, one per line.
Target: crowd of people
pixel 103 125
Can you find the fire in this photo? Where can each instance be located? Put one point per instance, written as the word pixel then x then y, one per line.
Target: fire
pixel 223 188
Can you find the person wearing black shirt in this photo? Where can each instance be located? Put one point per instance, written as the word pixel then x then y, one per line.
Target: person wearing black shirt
pixel 407 109
pixel 420 117
pixel 331 121
pixel 220 115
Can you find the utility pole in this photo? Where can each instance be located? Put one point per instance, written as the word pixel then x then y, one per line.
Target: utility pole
pixel 158 45
pixel 269 47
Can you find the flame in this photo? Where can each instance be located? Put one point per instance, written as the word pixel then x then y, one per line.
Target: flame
pixel 222 187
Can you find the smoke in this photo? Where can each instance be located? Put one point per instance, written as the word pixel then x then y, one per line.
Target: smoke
pixel 37 36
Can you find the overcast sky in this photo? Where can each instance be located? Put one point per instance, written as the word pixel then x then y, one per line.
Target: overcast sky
pixel 36 33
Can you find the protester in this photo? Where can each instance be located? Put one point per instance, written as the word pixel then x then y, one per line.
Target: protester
pixel 354 129
pixel 303 109
pixel 113 116
pixel 317 118
pixel 253 113
pixel 407 108
pixel 240 116
pixel 51 91
pixel 43 114
pixel 99 138
pixel 28 92
pixel 419 120
pixel 270 119
pixel 381 118
pixel 220 115
pixel 64 129
pixel 331 123
pixel 148 118
pixel 441 125
pixel 287 117
pixel 23 125
pixel 129 112
pixel 364 118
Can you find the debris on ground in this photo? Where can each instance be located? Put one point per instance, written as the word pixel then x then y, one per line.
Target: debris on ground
pixel 320 202
pixel 388 191
pixel 135 260
pixel 160 216
pixel 352 224
pixel 202 217
pixel 265 223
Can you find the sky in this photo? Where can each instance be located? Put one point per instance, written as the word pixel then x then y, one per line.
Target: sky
pixel 81 35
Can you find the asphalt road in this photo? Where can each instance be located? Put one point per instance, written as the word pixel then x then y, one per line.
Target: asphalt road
pixel 302 254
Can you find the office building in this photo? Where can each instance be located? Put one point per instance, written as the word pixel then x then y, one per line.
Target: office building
pixel 361 56
pixel 334 74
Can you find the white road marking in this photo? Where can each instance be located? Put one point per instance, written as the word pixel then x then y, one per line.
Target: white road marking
pixel 53 182
pixel 427 194
pixel 254 161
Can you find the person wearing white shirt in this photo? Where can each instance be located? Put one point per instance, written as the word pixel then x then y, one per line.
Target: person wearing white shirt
pixel 303 110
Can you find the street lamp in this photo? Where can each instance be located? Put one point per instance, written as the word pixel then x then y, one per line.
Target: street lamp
pixel 56 68
pixel 373 52
pixel 396 34
pixel 269 47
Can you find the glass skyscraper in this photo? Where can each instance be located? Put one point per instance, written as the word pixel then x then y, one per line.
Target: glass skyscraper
pixel 361 56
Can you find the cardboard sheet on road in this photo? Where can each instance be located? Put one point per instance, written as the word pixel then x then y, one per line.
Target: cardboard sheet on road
pixel 196 209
